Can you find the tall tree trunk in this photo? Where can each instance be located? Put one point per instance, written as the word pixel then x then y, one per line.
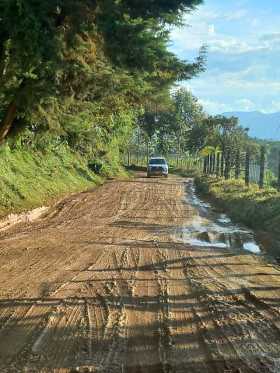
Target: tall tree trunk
pixel 208 164
pixel 128 158
pixel 138 148
pixel 205 166
pixel 278 181
pixel 10 115
pixel 247 168
pixel 178 151
pixel 222 163
pixel 218 161
pixel 227 164
pixel 237 164
pixel 262 168
pixel 213 163
pixel 8 120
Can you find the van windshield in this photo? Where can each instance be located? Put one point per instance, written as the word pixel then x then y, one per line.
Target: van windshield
pixel 157 161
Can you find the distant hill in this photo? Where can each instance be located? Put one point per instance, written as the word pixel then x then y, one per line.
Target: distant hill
pixel 261 126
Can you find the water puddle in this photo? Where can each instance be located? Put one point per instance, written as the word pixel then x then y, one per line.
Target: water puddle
pixel 211 229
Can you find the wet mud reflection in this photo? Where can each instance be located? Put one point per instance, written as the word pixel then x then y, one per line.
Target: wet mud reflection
pixel 212 229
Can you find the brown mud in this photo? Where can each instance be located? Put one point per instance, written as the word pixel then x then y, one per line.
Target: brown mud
pixel 106 282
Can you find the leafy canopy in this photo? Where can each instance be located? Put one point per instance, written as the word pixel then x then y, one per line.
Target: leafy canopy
pixel 77 66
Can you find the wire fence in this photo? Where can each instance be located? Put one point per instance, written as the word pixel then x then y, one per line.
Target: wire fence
pixel 251 168
pixel 175 161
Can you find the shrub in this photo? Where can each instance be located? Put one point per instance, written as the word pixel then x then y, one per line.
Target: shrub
pixel 259 209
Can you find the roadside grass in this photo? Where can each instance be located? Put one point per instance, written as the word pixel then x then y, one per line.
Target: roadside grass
pixel 134 168
pixel 258 209
pixel 192 172
pixel 30 179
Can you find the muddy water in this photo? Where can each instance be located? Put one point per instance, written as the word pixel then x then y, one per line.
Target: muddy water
pixel 216 230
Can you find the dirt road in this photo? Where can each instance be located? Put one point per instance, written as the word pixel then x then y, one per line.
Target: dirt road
pixel 104 282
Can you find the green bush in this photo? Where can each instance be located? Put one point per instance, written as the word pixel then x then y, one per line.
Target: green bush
pixel 258 209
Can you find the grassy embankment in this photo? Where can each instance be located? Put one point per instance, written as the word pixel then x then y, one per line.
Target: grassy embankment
pixel 30 179
pixel 258 209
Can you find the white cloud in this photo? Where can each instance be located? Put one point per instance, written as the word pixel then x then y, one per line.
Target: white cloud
pixel 236 16
pixel 201 28
pixel 244 49
pixel 192 37
pixel 272 108
pixel 253 78
pixel 259 86
pixel 245 104
pixel 235 92
pixel 211 29
pixel 215 107
pixel 229 45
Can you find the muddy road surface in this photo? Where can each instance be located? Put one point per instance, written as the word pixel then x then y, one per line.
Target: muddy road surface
pixel 134 276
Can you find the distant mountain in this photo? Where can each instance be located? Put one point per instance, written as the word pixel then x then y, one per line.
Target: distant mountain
pixel 261 126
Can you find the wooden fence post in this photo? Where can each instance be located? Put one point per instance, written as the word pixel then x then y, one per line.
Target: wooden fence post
pixel 237 164
pixel 205 165
pixel 222 164
pixel 227 164
pixel 262 167
pixel 247 168
pixel 210 163
pixel 200 164
pixel 278 182
pixel 218 164
pixel 213 163
pixel 128 158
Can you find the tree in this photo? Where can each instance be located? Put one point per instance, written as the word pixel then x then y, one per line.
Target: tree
pixel 59 51
pixel 172 121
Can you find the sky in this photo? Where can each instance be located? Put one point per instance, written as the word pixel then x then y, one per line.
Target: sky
pixel 243 62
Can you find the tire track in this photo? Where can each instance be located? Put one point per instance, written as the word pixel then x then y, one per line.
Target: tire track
pixel 124 295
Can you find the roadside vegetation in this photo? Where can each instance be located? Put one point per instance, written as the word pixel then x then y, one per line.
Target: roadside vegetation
pixel 257 209
pixel 75 104
pixel 29 179
pixel 75 78
pixel 235 171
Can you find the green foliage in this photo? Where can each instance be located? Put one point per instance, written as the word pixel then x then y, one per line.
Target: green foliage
pixel 181 126
pixel 225 133
pixel 272 156
pixel 168 127
pixel 76 69
pixel 29 179
pixel 258 209
pixel 75 77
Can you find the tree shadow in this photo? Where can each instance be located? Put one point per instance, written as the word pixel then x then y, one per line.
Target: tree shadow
pixel 55 333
